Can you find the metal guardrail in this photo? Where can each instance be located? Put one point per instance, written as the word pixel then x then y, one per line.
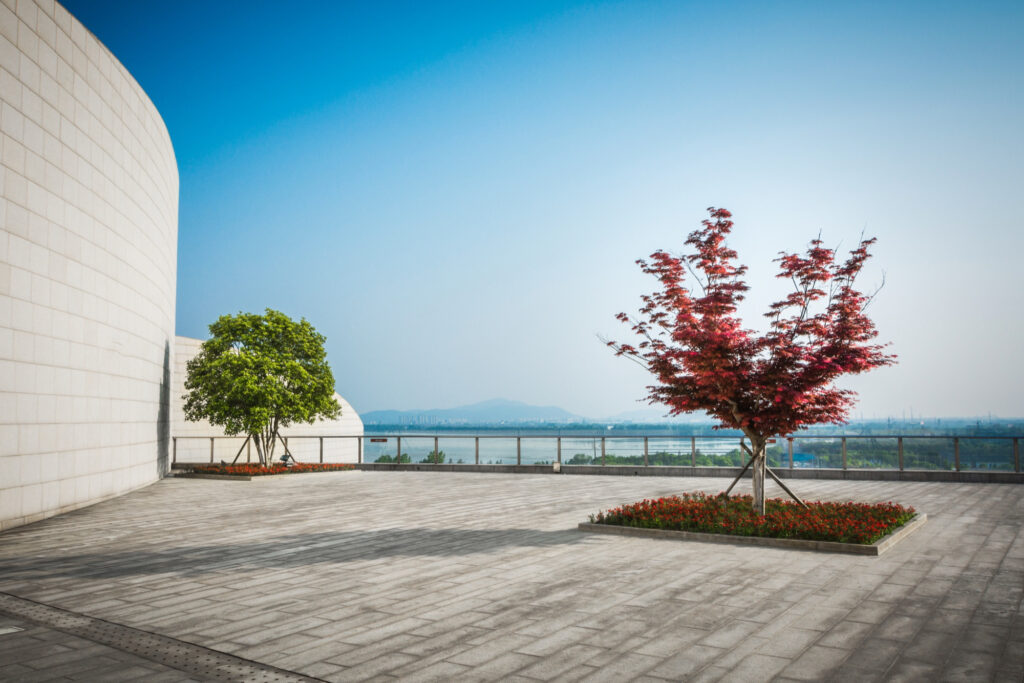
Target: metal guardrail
pixel 846 452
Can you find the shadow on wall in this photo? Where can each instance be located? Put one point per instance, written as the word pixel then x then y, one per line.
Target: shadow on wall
pixel 163 418
pixel 284 552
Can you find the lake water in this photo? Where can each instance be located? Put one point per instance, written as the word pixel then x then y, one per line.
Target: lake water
pixel 507 447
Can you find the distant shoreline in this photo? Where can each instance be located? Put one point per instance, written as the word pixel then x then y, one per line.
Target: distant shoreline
pixel 880 428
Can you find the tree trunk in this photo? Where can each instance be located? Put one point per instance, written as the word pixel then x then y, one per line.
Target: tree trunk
pixel 758 473
pixel 259 446
pixel 268 440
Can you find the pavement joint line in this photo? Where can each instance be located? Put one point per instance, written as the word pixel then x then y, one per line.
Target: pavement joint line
pixel 177 654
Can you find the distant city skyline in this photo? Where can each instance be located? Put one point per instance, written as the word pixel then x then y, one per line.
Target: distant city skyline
pixel 507 410
pixel 455 193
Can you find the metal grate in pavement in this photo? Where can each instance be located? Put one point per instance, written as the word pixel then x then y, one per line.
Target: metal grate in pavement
pixel 192 659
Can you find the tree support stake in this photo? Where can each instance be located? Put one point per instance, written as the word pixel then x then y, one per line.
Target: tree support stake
pixel 239 453
pixel 742 472
pixel 784 487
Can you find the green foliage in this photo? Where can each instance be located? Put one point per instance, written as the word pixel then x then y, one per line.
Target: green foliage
pixel 918 453
pixel 439 455
pixel 390 458
pixel 734 458
pixel 259 373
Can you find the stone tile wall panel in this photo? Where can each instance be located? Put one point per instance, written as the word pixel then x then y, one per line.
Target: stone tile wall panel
pixel 88 257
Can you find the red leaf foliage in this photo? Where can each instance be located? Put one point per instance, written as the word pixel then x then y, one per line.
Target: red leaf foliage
pixel 768 384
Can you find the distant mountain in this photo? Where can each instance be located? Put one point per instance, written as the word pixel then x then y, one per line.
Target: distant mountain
pixel 487 412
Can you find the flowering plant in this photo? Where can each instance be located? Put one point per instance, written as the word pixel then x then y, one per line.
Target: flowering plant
pixel 257 470
pixel 862 523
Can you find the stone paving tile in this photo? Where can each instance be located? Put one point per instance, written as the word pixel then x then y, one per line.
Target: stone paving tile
pixel 757 666
pixel 789 643
pixel 570 658
pixel 910 671
pixel 439 576
pixel 687 662
pixel 713 673
pixel 814 664
pixel 622 668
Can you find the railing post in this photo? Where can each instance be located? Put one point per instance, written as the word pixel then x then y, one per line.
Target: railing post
pixel 321 450
pixel 693 451
pixel 790 440
pixel 174 450
pixel 437 456
pixel 956 453
pixel 477 458
pixel 211 449
pixel 359 450
pixel 844 452
pixel 519 450
pixel 646 463
pixel 559 450
pixel 899 450
pixel 602 451
pixel 398 450
pixel 1016 455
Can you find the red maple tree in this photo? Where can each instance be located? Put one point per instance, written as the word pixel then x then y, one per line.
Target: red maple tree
pixel 764 385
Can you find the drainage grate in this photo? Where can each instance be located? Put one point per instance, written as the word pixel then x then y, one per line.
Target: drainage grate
pixel 192 659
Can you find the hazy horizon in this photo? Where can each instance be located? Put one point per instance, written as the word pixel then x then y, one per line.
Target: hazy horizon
pixel 695 417
pixel 455 193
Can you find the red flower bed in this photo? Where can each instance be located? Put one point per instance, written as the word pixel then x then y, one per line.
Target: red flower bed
pixel 842 522
pixel 260 470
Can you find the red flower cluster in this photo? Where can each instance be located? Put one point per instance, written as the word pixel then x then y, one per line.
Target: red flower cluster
pixel 842 522
pixel 259 470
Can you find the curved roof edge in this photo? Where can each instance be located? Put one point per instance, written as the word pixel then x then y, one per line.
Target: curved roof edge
pixel 185 348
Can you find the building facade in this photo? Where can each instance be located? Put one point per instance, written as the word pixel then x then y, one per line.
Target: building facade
pixel 88 261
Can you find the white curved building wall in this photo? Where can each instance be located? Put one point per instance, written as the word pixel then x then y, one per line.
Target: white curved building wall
pixel 192 439
pixel 88 255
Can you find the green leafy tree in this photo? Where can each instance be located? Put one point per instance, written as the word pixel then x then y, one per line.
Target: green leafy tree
pixel 403 458
pixel 434 458
pixel 258 374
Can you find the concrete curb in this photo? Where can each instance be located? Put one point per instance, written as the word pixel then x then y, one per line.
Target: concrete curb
pixel 218 477
pixel 875 549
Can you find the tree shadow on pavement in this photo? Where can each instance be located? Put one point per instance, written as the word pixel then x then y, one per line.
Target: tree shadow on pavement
pixel 283 552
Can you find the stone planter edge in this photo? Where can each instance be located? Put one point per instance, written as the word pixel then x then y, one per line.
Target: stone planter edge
pixel 875 549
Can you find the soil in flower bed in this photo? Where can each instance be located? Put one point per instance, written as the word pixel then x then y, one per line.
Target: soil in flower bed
pixel 860 523
pixel 259 470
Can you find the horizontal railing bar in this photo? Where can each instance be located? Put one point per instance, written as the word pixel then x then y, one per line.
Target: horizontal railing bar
pixel 620 437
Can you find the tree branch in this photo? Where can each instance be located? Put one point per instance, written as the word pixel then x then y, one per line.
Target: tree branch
pixel 868 300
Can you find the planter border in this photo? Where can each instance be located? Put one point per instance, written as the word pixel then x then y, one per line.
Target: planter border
pixel 187 471
pixel 219 477
pixel 247 477
pixel 873 550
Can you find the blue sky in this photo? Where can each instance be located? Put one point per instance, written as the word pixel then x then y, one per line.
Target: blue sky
pixel 455 193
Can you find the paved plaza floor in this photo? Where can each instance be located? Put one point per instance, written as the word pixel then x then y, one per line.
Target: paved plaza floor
pixel 442 576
